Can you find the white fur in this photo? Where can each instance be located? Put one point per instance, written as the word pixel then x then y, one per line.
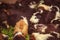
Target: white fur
pixel 25 20
pixel 41 36
pixel 19 33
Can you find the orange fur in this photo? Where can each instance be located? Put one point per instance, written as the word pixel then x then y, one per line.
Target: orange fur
pixel 21 26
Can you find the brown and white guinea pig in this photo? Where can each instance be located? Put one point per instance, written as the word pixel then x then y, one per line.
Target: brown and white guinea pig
pixel 45 32
pixel 38 36
pixel 46 14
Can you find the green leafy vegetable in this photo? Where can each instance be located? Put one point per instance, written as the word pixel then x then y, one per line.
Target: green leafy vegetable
pixel 9 32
